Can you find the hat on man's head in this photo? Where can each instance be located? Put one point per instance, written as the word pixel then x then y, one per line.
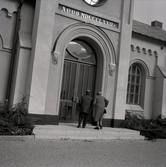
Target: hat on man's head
pixel 87 91
pixel 98 93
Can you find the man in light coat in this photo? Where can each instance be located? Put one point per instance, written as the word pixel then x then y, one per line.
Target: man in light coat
pixel 99 104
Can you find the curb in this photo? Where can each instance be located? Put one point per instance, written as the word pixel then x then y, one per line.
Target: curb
pixel 17 138
pixel 28 137
pixel 160 140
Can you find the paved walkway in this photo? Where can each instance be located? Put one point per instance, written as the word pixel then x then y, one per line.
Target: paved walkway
pixel 70 131
pixel 82 153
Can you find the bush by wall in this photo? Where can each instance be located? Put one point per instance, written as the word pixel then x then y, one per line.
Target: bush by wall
pixel 15 121
pixel 151 129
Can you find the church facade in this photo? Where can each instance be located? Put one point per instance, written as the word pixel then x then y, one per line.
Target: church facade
pixel 53 51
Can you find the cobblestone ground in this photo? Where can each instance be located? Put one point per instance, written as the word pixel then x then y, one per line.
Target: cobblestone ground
pixel 82 153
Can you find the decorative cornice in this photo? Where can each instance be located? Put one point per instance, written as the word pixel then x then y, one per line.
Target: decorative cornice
pixel 9 14
pixel 143 50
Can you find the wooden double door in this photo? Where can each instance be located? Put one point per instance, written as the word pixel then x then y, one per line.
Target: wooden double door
pixel 79 74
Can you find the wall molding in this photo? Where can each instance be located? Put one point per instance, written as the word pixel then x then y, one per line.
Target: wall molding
pixel 143 50
pixel 145 66
pixel 2 46
pixel 90 33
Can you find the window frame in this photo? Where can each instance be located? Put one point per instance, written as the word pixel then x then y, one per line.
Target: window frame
pixel 134 85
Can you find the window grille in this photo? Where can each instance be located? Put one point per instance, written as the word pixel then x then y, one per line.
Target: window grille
pixel 134 85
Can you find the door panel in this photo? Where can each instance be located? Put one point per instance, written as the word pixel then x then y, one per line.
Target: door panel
pixel 86 79
pixel 67 91
pixel 77 78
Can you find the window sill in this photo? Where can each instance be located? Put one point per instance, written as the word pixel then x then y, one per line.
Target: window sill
pixel 134 108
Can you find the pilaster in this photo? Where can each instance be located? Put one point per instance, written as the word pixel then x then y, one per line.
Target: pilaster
pixel 123 60
pixel 41 55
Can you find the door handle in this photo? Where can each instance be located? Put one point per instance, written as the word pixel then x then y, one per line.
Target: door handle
pixel 75 99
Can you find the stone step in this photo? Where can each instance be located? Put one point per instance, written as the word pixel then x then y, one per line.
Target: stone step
pixel 70 131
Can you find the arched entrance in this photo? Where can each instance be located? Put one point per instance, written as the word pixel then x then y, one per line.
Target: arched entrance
pixel 79 74
pixel 104 55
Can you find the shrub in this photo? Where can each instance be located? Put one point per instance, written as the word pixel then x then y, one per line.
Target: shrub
pixel 151 129
pixel 15 121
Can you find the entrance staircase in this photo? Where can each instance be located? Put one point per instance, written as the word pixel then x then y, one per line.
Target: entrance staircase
pixel 70 131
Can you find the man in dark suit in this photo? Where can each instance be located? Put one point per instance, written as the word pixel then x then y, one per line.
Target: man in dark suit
pixel 85 104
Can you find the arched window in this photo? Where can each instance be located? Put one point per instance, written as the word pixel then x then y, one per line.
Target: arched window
pixel 80 51
pixel 134 85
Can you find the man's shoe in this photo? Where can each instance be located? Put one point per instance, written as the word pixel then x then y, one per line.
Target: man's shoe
pixel 78 126
pixel 101 127
pixel 83 127
pixel 97 128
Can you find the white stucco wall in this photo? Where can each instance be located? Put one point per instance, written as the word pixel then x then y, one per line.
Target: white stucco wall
pixel 154 56
pixel 43 40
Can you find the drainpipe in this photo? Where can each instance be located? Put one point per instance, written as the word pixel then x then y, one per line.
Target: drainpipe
pixel 13 55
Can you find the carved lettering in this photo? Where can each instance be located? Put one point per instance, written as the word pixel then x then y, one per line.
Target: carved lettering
pixel 88 16
pixel 63 9
pixel 83 15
